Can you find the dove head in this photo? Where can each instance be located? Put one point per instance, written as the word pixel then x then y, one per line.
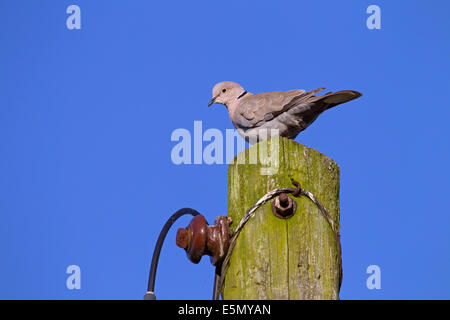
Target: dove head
pixel 226 92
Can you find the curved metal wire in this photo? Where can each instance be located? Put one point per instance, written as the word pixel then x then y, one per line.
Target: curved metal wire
pixel 150 295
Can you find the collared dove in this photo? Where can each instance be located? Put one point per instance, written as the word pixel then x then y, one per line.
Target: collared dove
pixel 290 112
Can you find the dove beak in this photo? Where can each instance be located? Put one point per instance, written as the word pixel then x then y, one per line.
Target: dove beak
pixel 212 101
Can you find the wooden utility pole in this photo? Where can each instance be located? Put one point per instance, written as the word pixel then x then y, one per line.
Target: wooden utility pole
pixel 294 258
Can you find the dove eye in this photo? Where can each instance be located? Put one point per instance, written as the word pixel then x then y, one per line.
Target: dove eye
pixel 224 90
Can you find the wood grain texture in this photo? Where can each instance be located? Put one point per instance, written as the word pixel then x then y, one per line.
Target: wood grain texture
pixel 274 258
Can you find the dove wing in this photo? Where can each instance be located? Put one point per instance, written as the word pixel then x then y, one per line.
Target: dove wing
pixel 257 109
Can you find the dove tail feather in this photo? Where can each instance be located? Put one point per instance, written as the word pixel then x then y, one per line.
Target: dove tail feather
pixel 333 99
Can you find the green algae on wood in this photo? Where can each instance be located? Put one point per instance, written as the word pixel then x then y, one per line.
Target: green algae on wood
pixel 274 258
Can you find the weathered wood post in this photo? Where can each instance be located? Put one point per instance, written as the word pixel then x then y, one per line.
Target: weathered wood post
pixel 294 258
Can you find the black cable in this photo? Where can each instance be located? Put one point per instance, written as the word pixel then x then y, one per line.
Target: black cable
pixel 150 295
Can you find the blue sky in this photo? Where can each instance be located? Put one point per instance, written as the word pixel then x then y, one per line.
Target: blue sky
pixel 86 118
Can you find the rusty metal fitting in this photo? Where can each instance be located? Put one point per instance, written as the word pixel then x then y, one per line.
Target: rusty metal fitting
pixel 283 206
pixel 199 239
pixel 297 191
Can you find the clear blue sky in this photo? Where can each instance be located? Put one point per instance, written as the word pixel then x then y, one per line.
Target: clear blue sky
pixel 86 118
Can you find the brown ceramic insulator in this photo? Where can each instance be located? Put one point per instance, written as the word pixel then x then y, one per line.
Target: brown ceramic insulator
pixel 219 239
pixel 199 239
pixel 193 238
pixel 182 239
